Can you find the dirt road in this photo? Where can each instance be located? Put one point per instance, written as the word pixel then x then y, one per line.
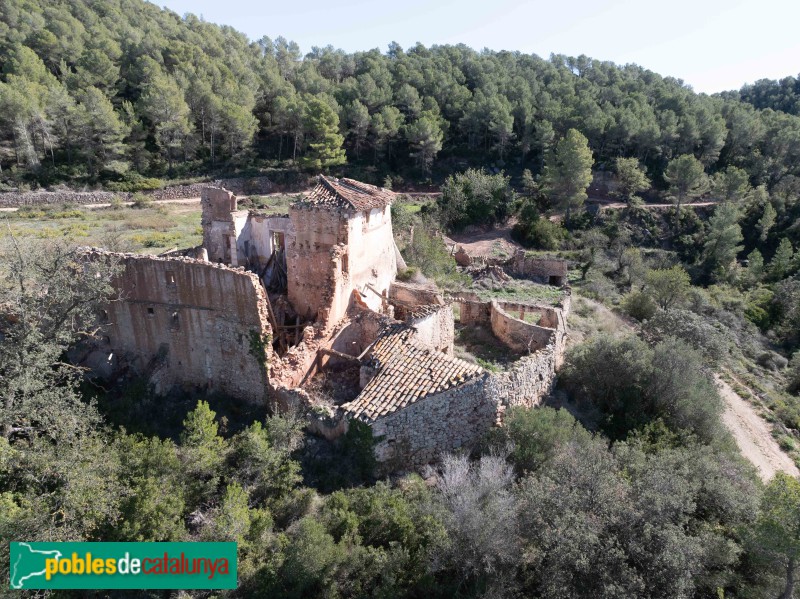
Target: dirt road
pixel 753 435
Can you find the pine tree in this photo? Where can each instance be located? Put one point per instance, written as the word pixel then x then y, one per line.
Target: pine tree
pixel 568 172
pixel 687 180
pixel 321 125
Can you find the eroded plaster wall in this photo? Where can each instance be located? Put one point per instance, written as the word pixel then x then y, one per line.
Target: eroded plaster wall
pixel 335 251
pixel 371 255
pixel 189 322
pixel 435 328
pixel 313 261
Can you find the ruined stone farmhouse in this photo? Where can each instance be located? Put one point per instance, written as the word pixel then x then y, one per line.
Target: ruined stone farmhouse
pixel 278 309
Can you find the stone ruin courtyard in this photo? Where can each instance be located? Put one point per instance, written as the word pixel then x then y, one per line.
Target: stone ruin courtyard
pixel 303 312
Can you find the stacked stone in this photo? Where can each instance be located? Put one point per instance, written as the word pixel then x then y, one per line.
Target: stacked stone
pixel 239 186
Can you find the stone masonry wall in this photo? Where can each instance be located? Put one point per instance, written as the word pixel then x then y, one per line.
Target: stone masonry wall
pixel 520 335
pixel 458 419
pixel 526 383
pixel 316 264
pixel 421 432
pixel 538 268
pixel 190 323
pixel 472 310
pixel 414 295
pixel 217 219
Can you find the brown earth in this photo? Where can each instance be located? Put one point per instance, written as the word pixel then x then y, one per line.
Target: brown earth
pixel 753 436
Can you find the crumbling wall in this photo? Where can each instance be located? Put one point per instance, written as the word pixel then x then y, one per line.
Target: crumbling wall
pixel 552 271
pixel 336 251
pixel 471 310
pixel 193 323
pixel 411 295
pixel 258 241
pixel 219 228
pixel 317 274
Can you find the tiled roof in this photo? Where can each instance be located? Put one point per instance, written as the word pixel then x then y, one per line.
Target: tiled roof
pixel 407 371
pixel 347 193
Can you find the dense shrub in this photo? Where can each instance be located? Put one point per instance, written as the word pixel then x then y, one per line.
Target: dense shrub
pixel 475 197
pixel 709 337
pixel 633 384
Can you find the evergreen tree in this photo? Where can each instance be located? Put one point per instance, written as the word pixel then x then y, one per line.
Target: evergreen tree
pixel 425 138
pixel 631 179
pixel 777 530
pixel 781 263
pixel 321 125
pixel 732 184
pixel 687 181
pixel 721 246
pixel 568 172
pixel 767 221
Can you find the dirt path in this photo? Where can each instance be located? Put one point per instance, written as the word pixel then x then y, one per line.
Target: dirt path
pixel 753 435
pixel 604 205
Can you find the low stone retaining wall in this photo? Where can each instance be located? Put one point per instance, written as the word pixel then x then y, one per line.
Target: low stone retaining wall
pixel 239 186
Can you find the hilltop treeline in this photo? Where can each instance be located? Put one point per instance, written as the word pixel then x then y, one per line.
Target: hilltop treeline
pixel 109 90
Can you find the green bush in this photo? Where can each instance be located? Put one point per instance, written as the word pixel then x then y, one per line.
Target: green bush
pixel 142 201
pixel 709 337
pixel 135 182
pixel 793 376
pixel 428 252
pixel 475 197
pixel 633 384
pixel 639 305
pixel 539 233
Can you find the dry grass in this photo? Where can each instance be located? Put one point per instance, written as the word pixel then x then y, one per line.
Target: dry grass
pixel 149 230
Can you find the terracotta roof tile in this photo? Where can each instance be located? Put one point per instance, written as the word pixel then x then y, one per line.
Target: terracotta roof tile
pixel 348 193
pixel 406 372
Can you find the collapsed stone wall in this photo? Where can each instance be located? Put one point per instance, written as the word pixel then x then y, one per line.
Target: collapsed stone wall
pixel 219 222
pixel 471 310
pixel 192 323
pixel 411 295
